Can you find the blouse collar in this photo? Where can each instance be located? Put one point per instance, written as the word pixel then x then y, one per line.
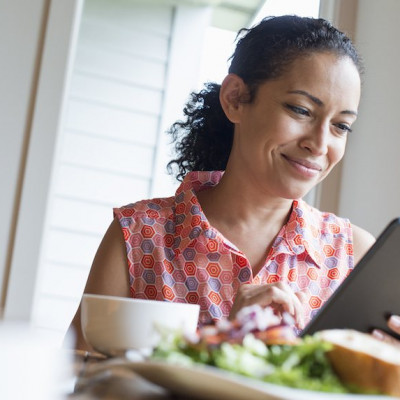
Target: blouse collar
pixel 299 235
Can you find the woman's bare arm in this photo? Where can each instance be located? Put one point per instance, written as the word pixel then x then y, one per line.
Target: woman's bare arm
pixel 362 241
pixel 108 275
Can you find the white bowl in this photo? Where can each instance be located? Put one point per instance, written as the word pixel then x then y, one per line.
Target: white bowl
pixel 112 325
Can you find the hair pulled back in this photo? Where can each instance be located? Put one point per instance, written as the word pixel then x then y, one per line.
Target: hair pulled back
pixel 203 141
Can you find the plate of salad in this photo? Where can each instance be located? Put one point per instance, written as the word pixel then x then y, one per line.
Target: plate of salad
pixel 208 382
pixel 259 356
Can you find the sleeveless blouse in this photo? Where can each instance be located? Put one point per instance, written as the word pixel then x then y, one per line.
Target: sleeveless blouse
pixel 174 254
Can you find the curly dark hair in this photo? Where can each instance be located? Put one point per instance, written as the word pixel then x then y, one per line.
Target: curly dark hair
pixel 203 141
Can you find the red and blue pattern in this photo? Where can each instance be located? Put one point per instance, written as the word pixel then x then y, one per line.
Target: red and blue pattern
pixel 175 255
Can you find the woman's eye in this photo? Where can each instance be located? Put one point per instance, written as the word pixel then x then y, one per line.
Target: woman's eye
pixel 343 128
pixel 298 110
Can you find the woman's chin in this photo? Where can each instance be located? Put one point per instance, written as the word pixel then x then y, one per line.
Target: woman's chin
pixel 297 193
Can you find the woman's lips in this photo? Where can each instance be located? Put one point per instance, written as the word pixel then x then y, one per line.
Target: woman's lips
pixel 304 167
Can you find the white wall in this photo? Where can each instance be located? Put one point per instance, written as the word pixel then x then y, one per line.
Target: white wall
pixel 21 24
pixel 370 189
pixel 60 32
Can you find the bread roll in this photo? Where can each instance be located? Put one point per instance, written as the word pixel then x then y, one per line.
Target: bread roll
pixel 360 359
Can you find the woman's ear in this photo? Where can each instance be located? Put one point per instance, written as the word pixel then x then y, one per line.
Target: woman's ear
pixel 231 94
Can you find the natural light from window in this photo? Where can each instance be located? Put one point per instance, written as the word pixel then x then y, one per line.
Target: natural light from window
pixel 219 43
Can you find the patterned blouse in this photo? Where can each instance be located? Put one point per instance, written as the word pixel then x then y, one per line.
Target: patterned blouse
pixel 174 254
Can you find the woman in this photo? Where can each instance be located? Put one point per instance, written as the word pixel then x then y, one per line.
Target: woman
pixel 276 126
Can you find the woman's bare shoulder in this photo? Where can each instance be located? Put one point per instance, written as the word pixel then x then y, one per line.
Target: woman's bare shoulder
pixel 362 241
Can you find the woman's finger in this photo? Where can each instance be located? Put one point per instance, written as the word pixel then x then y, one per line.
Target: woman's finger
pixel 278 295
pixel 301 296
pixel 297 308
pixel 264 295
pixel 274 295
pixel 394 323
pixel 384 337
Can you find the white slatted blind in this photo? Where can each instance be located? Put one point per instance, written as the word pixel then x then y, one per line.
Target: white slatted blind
pixel 107 145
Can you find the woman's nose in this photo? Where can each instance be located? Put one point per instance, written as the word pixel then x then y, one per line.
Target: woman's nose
pixel 316 141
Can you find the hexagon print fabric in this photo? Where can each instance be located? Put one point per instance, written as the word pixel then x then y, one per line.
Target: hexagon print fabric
pixel 174 254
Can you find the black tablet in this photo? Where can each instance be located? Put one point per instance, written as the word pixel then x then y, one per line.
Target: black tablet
pixel 371 292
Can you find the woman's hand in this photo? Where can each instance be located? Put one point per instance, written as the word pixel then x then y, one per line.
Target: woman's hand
pixel 394 325
pixel 277 295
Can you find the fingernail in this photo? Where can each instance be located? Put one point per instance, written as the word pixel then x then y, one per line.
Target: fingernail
pixel 300 323
pixel 377 334
pixel 394 320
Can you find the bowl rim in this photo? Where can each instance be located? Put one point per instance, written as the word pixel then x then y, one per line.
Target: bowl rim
pixel 139 301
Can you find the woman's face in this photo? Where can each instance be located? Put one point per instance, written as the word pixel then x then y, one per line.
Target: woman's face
pixel 294 132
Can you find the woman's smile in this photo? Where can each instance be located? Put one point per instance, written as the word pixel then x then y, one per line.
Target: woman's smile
pixel 305 168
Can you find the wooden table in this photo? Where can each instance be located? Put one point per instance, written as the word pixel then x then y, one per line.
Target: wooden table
pixel 112 384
